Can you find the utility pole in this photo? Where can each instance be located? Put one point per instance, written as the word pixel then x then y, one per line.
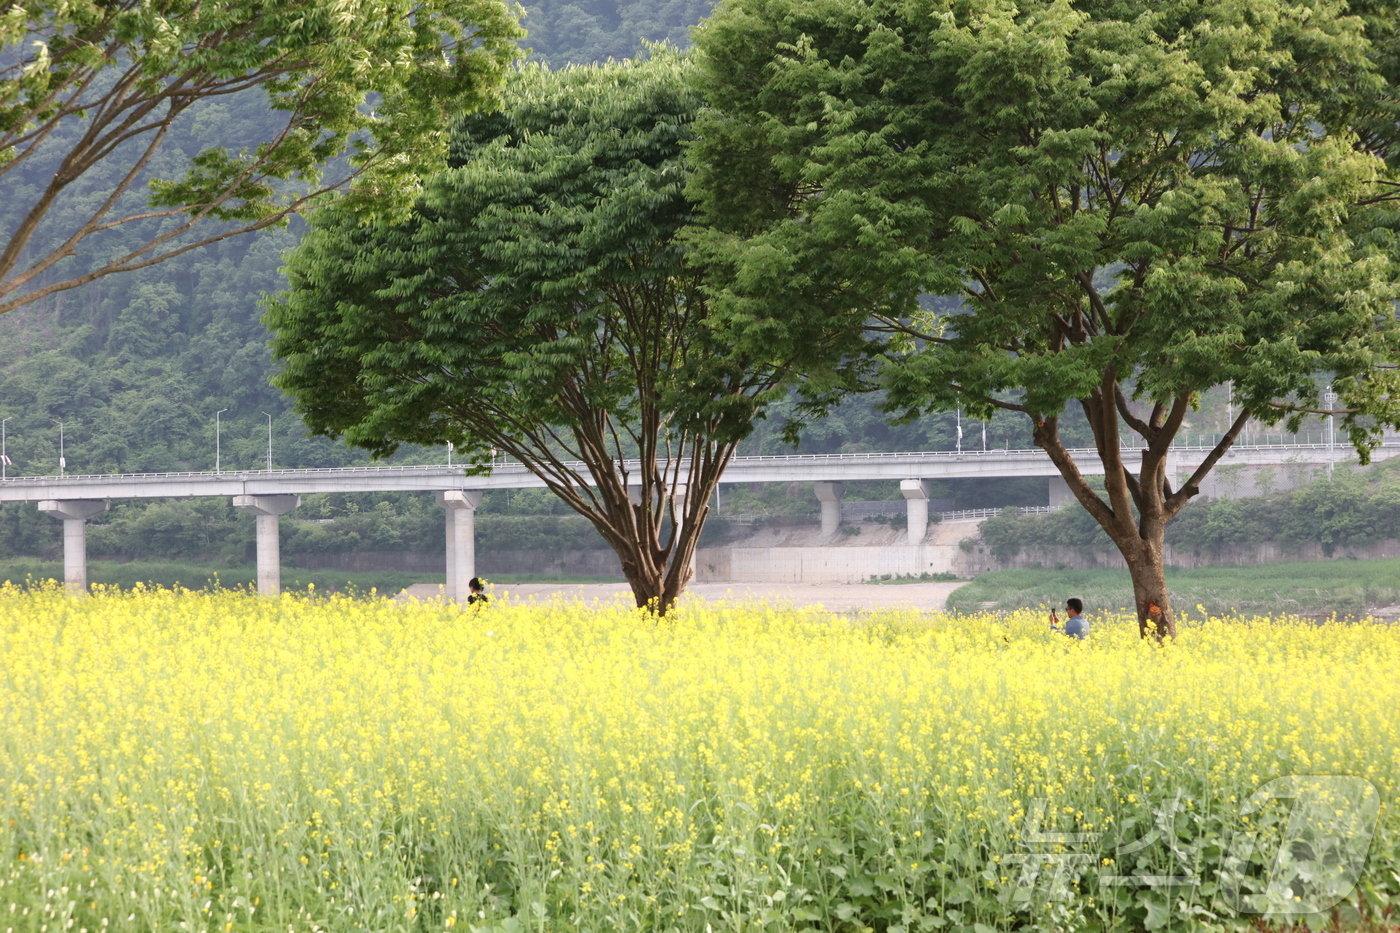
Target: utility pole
pixel 62 462
pixel 269 440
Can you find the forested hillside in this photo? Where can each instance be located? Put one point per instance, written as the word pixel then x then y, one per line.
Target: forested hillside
pixel 596 30
pixel 168 368
pixel 136 366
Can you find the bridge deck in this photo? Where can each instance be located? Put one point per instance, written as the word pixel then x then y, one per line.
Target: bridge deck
pixel 511 475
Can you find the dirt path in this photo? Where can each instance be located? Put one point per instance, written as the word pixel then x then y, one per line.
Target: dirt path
pixel 839 596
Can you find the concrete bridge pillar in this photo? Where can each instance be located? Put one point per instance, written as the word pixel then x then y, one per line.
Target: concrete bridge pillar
pixel 460 506
pixel 1060 496
pixel 74 513
pixel 1176 470
pixel 678 503
pixel 268 509
pixel 829 495
pixel 916 502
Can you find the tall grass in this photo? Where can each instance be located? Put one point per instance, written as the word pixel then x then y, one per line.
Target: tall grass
pixel 169 574
pixel 22 571
pixel 223 762
pixel 1314 588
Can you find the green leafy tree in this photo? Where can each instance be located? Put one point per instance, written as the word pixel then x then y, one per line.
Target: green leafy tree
pixel 1134 201
pixel 538 303
pixel 98 99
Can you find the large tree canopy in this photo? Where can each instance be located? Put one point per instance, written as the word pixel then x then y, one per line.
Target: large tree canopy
pixel 538 302
pixel 1133 202
pixel 93 93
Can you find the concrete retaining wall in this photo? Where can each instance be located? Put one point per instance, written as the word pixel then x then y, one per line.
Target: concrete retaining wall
pixel 823 564
pixel 585 563
pixel 796 555
pixel 871 553
pixel 835 563
pixel 355 561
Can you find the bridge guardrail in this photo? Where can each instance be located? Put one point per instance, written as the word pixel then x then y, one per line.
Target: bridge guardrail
pixel 512 466
pixel 967 514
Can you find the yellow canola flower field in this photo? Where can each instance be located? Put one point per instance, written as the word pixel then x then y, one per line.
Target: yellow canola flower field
pixel 184 761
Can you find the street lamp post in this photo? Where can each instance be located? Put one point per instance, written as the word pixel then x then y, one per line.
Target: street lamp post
pixel 4 460
pixel 62 461
pixel 269 439
pixel 1229 404
pixel 1331 399
pixel 217 460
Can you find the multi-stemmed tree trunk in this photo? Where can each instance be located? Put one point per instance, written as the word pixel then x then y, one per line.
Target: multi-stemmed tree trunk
pixel 650 510
pixel 644 485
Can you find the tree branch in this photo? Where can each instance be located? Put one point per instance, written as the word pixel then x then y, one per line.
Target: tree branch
pixel 1177 500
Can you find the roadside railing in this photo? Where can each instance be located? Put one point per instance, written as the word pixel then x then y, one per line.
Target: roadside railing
pixel 1288 442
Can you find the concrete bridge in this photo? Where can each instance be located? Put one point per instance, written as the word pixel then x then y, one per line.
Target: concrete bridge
pixel 269 494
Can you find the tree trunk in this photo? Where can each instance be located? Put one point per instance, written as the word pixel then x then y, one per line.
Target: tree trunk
pixel 1147 569
pixel 650 511
pixel 1134 509
pixel 656 585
